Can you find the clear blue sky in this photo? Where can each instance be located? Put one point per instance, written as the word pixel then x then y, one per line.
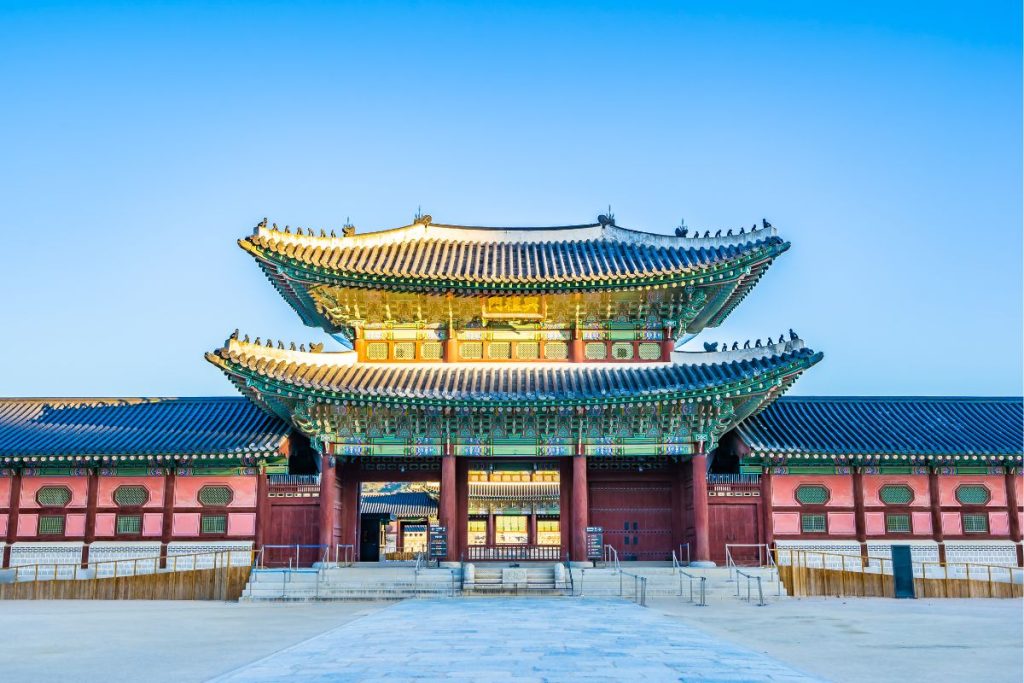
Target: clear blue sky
pixel 137 143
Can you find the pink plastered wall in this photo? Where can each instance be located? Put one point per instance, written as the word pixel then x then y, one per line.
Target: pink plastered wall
pixel 5 492
pixel 917 482
pixel 840 488
pixel 785 523
pixel 996 484
pixel 243 489
pixel 79 487
pixel 107 486
pixel 842 524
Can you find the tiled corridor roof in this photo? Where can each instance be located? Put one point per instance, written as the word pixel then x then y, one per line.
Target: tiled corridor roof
pixel 920 425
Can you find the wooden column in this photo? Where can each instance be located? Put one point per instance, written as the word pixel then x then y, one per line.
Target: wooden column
pixel 12 518
pixel 936 510
pixel 461 505
pixel 699 477
pixel 347 484
pixel 565 503
pixel 858 510
pixel 262 507
pixel 489 540
pixel 327 493
pixel 91 494
pixel 1012 508
pixel 167 529
pixel 580 507
pixel 447 507
pixel 359 343
pixel 767 522
pixel 668 345
pixel 451 346
pixel 576 354
pixel 531 529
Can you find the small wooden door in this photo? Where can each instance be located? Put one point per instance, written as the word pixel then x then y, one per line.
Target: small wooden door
pixel 732 523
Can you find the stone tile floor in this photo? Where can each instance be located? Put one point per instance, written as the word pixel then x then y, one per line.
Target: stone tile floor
pixel 515 639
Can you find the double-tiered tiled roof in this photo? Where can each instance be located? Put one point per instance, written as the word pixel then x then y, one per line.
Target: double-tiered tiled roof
pixel 337 376
pixel 438 258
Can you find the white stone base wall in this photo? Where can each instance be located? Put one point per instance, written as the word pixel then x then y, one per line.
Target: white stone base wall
pixel 920 551
pixel 1002 553
pixel 236 553
pixel 831 548
pixel 124 558
pixel 60 560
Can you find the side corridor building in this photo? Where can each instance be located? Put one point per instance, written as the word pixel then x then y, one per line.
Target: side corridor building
pixel 530 389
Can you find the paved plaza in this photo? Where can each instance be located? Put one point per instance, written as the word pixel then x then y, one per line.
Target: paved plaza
pixel 517 639
pixel 512 639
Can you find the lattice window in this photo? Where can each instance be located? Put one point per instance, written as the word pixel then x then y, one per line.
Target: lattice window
pixel 527 350
pixel 897 523
pixel 973 494
pixel 51 525
pixel 622 351
pixel 377 351
pixel 213 524
pixel 975 522
pixel 811 494
pixel 896 494
pixel 813 523
pixel 595 351
pixel 215 496
pixel 53 496
pixel 131 496
pixel 432 350
pixel 405 351
pixel 499 350
pixel 556 350
pixel 650 351
pixel 129 525
pixel 471 350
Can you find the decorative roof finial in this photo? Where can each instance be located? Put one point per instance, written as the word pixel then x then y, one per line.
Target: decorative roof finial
pixel 348 229
pixel 793 335
pixel 710 346
pixel 682 229
pixel 765 224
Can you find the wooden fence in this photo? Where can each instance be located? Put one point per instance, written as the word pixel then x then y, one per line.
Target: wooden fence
pixel 201 576
pixel 812 573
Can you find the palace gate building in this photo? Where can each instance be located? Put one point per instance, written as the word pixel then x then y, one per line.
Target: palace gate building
pixel 516 387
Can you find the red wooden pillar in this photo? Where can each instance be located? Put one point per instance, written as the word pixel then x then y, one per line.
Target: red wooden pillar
pixel 12 518
pixel 327 492
pixel 461 524
pixel 576 345
pixel 1012 507
pixel 347 486
pixel 359 344
pixel 858 510
pixel 491 536
pixel 447 507
pixel 767 521
pixel 580 507
pixel 668 345
pixel 91 494
pixel 531 529
pixel 262 507
pixel 167 529
pixel 936 509
pixel 699 477
pixel 565 503
pixel 451 346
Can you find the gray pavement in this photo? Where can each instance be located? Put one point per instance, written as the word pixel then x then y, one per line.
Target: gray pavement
pixel 516 639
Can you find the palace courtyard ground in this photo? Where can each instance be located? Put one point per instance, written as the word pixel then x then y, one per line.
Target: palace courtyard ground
pixel 513 640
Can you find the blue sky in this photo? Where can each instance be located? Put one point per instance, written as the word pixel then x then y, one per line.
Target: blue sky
pixel 139 141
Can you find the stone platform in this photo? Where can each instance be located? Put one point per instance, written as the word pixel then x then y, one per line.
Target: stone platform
pixel 516 639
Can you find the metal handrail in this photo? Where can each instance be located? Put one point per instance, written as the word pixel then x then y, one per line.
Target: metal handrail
pixel 749 578
pixel 703 581
pixel 613 554
pixel 568 568
pixel 150 565
pixel 639 587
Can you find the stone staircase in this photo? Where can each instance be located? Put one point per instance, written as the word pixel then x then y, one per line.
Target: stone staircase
pixel 351 583
pixel 505 579
pixel 376 582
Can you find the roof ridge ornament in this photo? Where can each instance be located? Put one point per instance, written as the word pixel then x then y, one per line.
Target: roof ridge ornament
pixel 606 219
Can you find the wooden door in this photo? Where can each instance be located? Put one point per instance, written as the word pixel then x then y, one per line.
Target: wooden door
pixel 733 523
pixel 636 518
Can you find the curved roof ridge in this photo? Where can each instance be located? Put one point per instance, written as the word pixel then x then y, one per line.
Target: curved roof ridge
pixel 426 230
